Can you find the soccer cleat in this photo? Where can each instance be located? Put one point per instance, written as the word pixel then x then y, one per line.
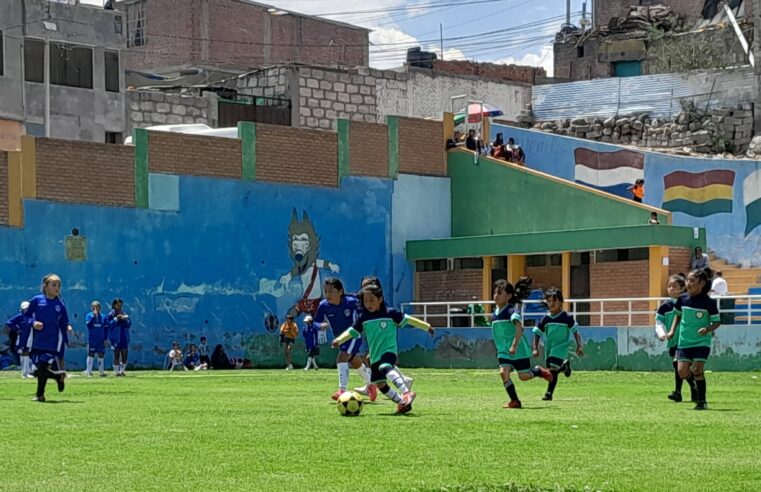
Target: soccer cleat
pixel 88 374
pixel 60 380
pixel 103 375
pixel 675 397
pixel 701 405
pixel 372 390
pixel 567 368
pixel 363 390
pixel 40 399
pixel 512 404
pixel 402 408
pixel 547 397
pixel 408 382
pixel 408 398
pixel 290 366
pixel 335 396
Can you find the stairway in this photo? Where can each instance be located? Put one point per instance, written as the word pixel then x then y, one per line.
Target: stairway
pixel 740 281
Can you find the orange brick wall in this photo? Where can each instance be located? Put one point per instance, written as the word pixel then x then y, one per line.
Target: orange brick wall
pixel 679 260
pixel 620 279
pixel 175 153
pixel 456 285
pixel 368 144
pixel 421 147
pixel 3 188
pixel 517 73
pixel 85 172
pixel 296 156
pixel 544 277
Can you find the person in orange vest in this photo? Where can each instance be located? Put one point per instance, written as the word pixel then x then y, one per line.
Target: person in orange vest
pixel 638 190
pixel 289 331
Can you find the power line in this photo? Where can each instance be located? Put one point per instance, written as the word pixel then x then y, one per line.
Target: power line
pixel 421 6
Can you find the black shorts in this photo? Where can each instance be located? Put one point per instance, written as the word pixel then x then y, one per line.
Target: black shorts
pixel 205 360
pixel 672 352
pixel 288 341
pixel 314 352
pixel 554 362
pixel 376 375
pixel 693 354
pixel 520 365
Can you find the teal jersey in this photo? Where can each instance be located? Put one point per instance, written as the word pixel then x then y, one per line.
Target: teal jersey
pixel 666 314
pixel 696 312
pixel 380 331
pixel 503 333
pixel 556 331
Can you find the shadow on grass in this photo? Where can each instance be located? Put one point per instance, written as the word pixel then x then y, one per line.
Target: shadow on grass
pixel 47 402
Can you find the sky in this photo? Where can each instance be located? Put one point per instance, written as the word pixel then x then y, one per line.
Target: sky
pixel 498 31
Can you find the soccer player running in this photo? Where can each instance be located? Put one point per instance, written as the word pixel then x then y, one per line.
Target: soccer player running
pixel 664 318
pixel 556 328
pixel 379 323
pixel 339 311
pixel 513 352
pixel 698 318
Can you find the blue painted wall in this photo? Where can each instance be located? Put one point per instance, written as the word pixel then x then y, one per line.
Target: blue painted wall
pixel 213 267
pixel 555 155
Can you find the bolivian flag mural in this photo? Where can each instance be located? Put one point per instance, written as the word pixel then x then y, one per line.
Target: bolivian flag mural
pixel 752 201
pixel 699 194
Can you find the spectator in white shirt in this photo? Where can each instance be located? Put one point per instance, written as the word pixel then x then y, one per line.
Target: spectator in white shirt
pixel 719 285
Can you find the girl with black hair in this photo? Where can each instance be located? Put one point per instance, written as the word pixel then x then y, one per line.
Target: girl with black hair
pixel 697 317
pixel 664 318
pixel 513 352
pixel 118 334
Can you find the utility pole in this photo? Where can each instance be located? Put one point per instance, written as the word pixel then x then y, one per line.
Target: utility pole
pixel 441 39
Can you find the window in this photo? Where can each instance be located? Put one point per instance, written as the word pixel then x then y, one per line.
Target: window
pixel 611 255
pixel 556 260
pixel 70 65
pixel 468 263
pixel 112 71
pixel 431 265
pixel 114 137
pixel 536 260
pixel 136 28
pixel 580 52
pixel 34 57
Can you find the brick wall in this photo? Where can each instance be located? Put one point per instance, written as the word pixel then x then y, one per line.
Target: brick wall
pixel 494 71
pixel 3 188
pixel 368 143
pixel 620 279
pixel 421 147
pixel 679 260
pixel 192 155
pixel 547 276
pixel 455 285
pixel 85 172
pixel 296 156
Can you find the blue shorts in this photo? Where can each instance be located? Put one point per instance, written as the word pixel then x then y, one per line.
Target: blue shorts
pixel 39 357
pixel 693 354
pixel 97 349
pixel 120 346
pixel 352 346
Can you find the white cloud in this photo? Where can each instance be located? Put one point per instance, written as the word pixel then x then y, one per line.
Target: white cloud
pixel 542 58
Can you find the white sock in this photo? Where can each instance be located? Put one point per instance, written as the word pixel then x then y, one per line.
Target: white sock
pixel 102 364
pixel 397 379
pixel 25 365
pixel 365 373
pixel 343 375
pixel 122 367
pixel 314 362
pixel 393 395
pixel 116 368
pixel 309 363
pixel 89 364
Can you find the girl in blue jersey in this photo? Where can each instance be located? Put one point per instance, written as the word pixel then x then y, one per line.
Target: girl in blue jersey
pixel 310 339
pixel 97 336
pixel 118 334
pixel 697 317
pixel 664 318
pixel 21 325
pixel 51 321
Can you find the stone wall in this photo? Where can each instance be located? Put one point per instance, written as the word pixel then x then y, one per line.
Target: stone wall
pixel 717 130
pixel 151 108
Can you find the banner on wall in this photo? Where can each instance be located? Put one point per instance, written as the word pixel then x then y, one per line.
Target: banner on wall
pixel 699 194
pixel 613 172
pixel 752 201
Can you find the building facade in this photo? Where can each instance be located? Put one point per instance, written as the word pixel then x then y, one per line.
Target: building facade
pixel 86 96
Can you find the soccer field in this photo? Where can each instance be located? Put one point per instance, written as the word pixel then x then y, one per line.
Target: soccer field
pixel 277 430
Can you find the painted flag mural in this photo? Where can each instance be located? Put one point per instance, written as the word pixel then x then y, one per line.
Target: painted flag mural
pixel 752 201
pixel 613 172
pixel 699 194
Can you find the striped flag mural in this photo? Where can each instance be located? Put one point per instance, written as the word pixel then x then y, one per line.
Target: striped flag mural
pixel 699 194
pixel 613 172
pixel 752 201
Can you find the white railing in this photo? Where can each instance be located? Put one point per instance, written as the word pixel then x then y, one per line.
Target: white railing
pixel 750 307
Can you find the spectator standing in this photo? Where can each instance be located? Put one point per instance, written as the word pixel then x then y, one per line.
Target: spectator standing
pixel 719 285
pixel 638 190
pixel 310 338
pixel 699 260
pixel 473 142
pixel 289 331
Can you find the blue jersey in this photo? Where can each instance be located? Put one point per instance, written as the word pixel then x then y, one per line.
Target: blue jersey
pixel 118 330
pixel 97 331
pixel 192 359
pixel 54 318
pixel 22 325
pixel 341 317
pixel 310 335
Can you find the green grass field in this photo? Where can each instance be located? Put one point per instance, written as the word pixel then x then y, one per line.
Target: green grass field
pixel 277 430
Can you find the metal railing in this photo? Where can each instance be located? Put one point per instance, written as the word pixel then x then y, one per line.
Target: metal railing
pixel 463 311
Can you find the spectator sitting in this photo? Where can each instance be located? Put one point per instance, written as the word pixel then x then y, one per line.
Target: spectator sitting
pixel 497 147
pixel 473 142
pixel 514 152
pixel 699 260
pixel 719 285
pixel 653 219
pixel 174 358
pixel 193 359
pixel 219 359
pixel 453 142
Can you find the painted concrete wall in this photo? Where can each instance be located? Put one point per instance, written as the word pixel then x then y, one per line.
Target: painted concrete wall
pixel 79 114
pixel 727 231
pixel 420 209
pixel 190 267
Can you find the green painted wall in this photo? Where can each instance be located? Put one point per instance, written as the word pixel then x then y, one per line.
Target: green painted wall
pixel 490 198
pixel 247 135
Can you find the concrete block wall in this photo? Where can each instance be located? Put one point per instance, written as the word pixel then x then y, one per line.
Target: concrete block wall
pixel 151 108
pixel 85 172
pixel 326 95
pixel 194 155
